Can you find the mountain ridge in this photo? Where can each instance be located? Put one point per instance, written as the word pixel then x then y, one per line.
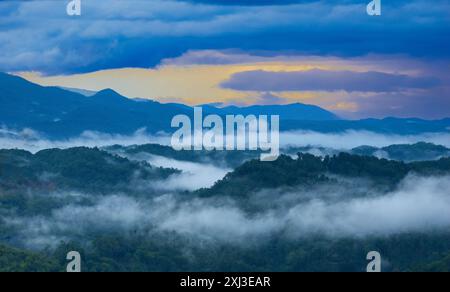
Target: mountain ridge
pixel 60 113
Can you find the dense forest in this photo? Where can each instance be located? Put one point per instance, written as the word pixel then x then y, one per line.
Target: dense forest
pixel 310 170
pixel 421 151
pixel 76 168
pixel 114 196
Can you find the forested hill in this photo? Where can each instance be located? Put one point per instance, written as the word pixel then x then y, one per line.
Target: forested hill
pixel 118 225
pixel 307 169
pixel 91 169
pixel 81 168
pixel 232 159
pixel 17 260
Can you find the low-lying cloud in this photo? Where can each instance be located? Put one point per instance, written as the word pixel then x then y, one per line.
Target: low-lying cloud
pixel 30 140
pixel 193 175
pixel 418 205
pixel 351 139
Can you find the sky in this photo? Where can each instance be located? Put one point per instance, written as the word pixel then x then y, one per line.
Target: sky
pixel 328 53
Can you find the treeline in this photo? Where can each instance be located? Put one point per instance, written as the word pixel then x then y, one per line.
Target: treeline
pixel 307 169
pixel 171 253
pixel 97 171
pixel 81 168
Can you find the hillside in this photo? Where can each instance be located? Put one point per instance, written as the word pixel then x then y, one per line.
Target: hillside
pixel 62 113
pixel 88 169
pixel 309 170
pixel 95 202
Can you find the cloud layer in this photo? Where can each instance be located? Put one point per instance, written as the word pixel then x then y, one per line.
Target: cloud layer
pixel 32 141
pixel 111 34
pixel 194 176
pixel 351 139
pixel 322 80
pixel 374 86
pixel 419 205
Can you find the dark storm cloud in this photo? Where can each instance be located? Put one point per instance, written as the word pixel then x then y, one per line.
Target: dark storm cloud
pixel 250 2
pixel 38 35
pixel 267 2
pixel 321 80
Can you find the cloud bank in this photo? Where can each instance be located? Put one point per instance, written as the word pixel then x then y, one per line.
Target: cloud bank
pixel 322 80
pixel 110 34
pixel 418 205
pixel 194 176
pixel 351 139
pixel 30 140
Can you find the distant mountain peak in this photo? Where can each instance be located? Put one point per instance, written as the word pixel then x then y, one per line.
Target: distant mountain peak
pixel 109 94
pixel 293 111
pixel 84 92
pixel 108 91
pixel 57 112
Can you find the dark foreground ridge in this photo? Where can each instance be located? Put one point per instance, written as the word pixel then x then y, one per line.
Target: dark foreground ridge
pixel 36 187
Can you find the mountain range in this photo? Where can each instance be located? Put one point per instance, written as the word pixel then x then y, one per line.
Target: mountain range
pixel 59 113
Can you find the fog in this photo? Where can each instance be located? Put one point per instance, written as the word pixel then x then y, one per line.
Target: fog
pixel 32 141
pixel 334 211
pixel 351 139
pixel 350 208
pixel 193 177
pixel 419 205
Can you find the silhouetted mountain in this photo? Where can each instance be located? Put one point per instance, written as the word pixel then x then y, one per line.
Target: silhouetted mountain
pixel 410 126
pixel 58 112
pixel 295 111
pixel 61 113
pixel 24 104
